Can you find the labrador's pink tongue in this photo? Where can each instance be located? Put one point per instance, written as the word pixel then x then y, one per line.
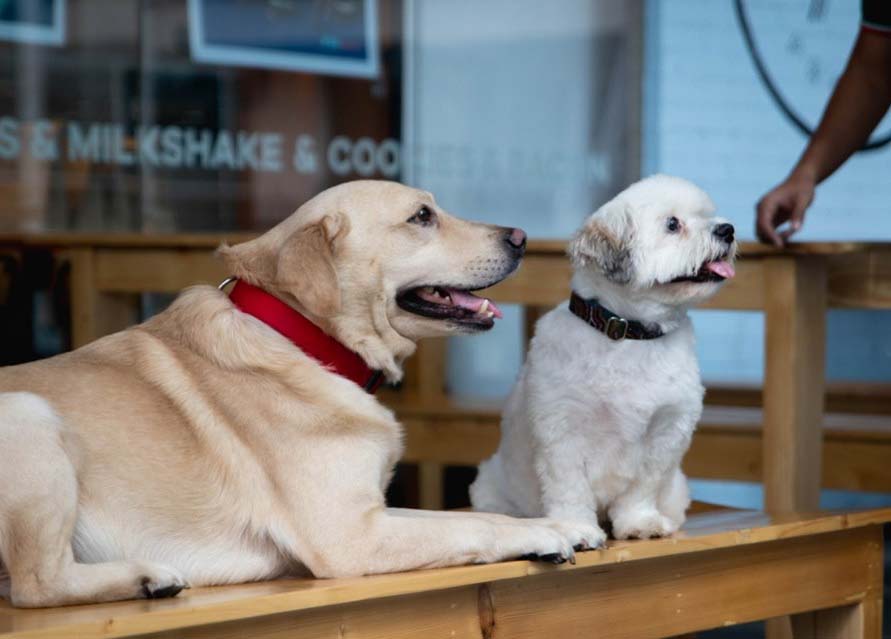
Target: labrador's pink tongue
pixel 471 302
pixel 722 268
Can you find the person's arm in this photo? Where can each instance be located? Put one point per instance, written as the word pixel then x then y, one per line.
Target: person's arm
pixel 860 99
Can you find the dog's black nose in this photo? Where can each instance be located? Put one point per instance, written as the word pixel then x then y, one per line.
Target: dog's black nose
pixel 517 238
pixel 724 232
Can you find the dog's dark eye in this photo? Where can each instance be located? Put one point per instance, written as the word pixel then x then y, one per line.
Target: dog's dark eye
pixel 424 217
pixel 673 225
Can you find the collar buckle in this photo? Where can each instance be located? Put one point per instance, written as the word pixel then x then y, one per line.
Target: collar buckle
pixel 616 328
pixel 226 282
pixel 604 320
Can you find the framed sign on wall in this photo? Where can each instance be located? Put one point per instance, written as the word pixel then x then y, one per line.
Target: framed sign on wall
pixel 326 37
pixel 33 21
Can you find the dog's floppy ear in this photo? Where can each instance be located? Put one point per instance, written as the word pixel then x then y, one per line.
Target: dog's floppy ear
pixel 305 266
pixel 605 241
pixel 301 266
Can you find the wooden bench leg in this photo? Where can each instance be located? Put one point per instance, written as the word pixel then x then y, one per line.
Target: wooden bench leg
pixel 794 380
pixel 430 489
pixel 425 381
pixel 858 621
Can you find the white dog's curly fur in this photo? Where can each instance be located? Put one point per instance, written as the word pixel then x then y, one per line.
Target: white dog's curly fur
pixel 595 429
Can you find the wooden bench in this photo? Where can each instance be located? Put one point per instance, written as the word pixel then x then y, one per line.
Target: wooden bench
pixel 726 567
pixel 727 445
pixel 794 287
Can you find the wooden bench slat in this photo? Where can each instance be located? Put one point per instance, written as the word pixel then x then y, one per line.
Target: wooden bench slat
pixel 704 532
pixel 726 444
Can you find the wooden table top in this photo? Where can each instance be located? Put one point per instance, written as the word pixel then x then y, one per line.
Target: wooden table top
pixel 212 240
pixel 704 531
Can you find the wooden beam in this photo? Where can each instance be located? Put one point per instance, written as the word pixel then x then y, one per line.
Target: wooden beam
pixel 869 398
pixel 726 567
pixel 430 485
pixel 446 441
pixel 862 280
pixel 677 595
pixel 452 613
pixel 794 378
pixel 155 270
pixel 540 280
pixel 543 280
pixel 745 292
pixel 84 327
pixel 853 460
pixel 95 313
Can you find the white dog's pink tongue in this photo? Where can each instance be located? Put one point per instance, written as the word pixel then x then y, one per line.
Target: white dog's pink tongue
pixel 473 303
pixel 722 268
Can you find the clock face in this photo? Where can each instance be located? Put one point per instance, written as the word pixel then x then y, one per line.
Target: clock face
pixel 804 46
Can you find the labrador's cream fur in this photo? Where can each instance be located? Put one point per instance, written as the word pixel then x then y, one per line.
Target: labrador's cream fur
pixel 202 447
pixel 594 429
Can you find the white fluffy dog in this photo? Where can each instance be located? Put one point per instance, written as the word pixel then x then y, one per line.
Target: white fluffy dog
pixel 610 394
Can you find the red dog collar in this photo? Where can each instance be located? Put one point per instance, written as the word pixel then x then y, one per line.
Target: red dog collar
pixel 305 335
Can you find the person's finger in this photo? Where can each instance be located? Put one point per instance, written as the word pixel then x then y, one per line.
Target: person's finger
pixel 767 234
pixel 796 220
pixel 765 226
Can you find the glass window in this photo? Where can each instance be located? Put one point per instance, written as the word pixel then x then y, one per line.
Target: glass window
pixel 191 115
pixel 200 115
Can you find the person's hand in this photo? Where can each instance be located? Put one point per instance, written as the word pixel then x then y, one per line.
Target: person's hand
pixel 787 202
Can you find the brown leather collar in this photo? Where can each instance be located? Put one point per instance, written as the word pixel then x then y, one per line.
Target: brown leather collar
pixel 604 320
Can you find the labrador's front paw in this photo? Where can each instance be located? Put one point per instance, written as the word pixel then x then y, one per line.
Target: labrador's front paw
pixel 535 541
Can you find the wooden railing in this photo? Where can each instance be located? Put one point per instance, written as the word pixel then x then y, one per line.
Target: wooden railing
pixel 794 288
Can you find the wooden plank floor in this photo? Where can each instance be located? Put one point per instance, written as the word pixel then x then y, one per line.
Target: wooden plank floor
pixel 745 533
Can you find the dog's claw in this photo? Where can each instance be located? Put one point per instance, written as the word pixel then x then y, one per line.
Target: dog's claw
pixel 555 558
pixel 162 593
pixel 585 546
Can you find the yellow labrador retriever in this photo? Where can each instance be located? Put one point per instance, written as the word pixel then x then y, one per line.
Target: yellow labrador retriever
pixel 204 447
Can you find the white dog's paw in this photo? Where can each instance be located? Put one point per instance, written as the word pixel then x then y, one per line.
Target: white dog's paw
pixel 582 535
pixel 157 581
pixel 644 523
pixel 534 541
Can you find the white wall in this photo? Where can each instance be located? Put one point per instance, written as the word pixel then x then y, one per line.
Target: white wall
pixel 709 119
